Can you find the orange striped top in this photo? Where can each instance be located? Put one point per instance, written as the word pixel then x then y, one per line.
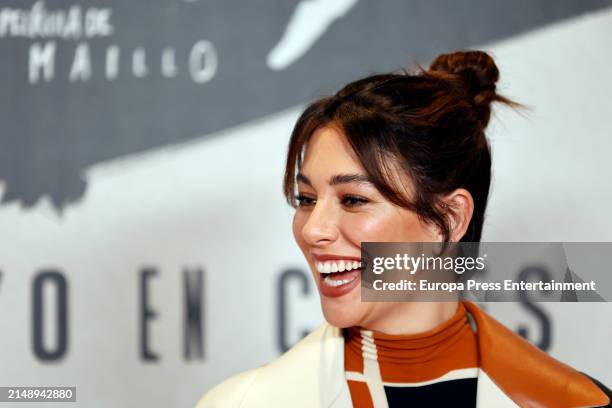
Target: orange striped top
pixel 435 367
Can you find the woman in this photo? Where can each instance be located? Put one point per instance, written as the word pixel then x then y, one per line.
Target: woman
pixel 400 158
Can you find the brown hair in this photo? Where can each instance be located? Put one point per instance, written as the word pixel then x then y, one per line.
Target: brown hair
pixel 431 123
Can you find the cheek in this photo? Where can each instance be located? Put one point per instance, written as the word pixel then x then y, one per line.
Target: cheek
pixel 389 224
pixel 358 228
pixel 299 219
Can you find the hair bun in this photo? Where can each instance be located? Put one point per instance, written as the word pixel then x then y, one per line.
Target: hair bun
pixel 477 70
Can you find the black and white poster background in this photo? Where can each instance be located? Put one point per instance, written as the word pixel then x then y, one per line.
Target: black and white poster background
pixel 145 247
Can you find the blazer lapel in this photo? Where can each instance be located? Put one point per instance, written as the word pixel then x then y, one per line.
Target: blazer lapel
pixel 333 388
pixel 526 375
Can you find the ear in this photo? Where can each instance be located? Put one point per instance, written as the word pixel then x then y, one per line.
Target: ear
pixel 459 207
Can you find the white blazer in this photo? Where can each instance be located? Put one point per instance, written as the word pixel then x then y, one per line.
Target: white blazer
pixel 311 375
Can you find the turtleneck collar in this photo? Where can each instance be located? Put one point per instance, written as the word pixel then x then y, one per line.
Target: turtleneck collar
pixel 415 357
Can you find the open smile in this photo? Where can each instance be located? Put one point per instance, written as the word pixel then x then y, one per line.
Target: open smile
pixel 338 275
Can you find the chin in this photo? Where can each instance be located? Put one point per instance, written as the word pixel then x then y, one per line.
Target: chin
pixel 342 312
pixel 339 320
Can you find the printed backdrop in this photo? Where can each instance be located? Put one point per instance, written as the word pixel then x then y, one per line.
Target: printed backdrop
pixel 145 247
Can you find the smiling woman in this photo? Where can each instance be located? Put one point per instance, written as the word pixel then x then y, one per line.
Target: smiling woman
pixel 399 158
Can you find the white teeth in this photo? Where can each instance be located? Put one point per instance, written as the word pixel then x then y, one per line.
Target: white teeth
pixel 330 282
pixel 336 266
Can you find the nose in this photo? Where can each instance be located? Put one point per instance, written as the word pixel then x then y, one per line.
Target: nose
pixel 321 228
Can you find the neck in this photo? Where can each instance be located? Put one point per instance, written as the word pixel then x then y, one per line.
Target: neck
pixel 410 317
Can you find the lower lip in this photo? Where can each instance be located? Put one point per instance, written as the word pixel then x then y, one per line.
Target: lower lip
pixel 336 291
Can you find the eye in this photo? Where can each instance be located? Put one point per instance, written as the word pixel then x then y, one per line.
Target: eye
pixel 303 201
pixel 354 201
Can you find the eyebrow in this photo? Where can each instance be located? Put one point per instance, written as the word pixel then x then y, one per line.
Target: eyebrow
pixel 338 179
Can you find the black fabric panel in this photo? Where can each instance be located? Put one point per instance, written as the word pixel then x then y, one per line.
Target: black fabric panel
pixel 452 393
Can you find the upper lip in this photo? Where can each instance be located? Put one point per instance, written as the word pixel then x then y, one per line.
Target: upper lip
pixel 331 257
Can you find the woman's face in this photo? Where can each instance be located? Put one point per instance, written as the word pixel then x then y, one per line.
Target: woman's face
pixel 338 209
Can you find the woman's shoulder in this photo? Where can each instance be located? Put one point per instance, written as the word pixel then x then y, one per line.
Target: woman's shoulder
pixel 230 392
pixel 283 377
